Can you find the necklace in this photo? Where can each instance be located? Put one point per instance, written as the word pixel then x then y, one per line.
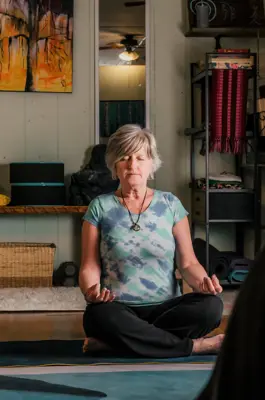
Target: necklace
pixel 135 226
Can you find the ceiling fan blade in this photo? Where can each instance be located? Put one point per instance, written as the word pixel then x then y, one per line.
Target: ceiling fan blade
pixel 113 45
pixel 134 3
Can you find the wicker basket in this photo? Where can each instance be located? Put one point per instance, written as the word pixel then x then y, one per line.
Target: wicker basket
pixel 26 264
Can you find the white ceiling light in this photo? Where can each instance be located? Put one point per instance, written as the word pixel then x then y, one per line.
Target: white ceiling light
pixel 129 56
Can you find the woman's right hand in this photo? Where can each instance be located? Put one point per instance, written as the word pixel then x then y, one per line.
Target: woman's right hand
pixel 96 295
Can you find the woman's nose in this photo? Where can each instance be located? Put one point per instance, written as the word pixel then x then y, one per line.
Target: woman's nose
pixel 132 162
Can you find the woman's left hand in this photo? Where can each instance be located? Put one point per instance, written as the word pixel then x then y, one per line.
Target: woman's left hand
pixel 211 285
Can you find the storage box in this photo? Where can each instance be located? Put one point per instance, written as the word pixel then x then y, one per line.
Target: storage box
pixel 26 264
pixel 37 184
pixel 224 205
pixel 37 172
pixel 38 194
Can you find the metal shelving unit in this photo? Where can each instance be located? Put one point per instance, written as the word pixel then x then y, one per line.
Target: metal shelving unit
pixel 202 79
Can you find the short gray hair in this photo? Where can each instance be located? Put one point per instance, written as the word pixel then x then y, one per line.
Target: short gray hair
pixel 129 139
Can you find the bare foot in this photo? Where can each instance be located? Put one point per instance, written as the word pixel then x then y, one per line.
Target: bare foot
pixel 208 345
pixel 92 345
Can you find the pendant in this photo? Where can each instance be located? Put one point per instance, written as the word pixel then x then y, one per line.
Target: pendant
pixel 135 227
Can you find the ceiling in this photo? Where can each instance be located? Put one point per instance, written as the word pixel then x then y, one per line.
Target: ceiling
pixel 116 20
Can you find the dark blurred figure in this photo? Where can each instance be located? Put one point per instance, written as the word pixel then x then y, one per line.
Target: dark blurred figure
pixel 93 180
pixel 238 371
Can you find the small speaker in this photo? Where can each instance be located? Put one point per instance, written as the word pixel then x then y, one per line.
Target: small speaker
pixel 23 194
pixel 66 275
pixel 37 172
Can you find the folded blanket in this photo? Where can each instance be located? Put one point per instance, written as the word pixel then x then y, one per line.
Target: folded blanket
pixel 215 184
pixel 225 177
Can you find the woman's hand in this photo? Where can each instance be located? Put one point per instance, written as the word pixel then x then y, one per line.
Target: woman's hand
pixel 210 285
pixel 95 295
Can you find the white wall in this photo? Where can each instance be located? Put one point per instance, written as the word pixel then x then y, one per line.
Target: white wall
pixel 122 82
pixel 50 127
pixel 169 74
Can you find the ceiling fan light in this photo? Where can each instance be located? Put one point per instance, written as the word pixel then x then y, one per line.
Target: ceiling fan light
pixel 129 56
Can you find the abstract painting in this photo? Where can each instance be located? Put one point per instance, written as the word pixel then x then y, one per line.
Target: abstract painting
pixel 36 45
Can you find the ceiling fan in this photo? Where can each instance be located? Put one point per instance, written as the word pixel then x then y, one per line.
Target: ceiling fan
pixel 134 3
pixel 129 43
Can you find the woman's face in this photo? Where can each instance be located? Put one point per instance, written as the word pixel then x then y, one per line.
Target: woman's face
pixel 135 169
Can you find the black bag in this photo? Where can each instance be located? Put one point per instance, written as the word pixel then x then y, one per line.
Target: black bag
pixel 93 180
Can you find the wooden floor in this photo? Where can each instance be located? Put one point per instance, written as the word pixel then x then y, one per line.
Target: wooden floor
pixel 49 326
pixel 41 326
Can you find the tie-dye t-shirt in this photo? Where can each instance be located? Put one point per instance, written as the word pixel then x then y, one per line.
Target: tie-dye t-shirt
pixel 137 266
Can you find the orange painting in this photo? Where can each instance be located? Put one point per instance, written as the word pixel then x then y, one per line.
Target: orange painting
pixel 36 45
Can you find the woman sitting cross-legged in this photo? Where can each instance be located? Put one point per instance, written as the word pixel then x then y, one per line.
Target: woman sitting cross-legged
pixel 129 244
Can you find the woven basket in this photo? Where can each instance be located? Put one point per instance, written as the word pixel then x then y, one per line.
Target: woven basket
pixel 26 264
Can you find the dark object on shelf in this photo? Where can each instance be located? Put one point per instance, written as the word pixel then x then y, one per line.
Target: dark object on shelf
pixel 250 157
pixel 220 265
pixel 250 122
pixel 226 265
pixel 218 45
pixel 93 180
pixel 237 276
pixel 233 14
pixel 205 12
pixel 262 91
pixel 259 122
pixel 37 172
pixel 199 246
pixel 26 194
pixel 66 275
pixel 261 143
pixel 224 205
pixel 37 183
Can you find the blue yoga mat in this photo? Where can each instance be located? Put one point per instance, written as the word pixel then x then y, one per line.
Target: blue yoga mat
pixel 69 352
pixel 166 385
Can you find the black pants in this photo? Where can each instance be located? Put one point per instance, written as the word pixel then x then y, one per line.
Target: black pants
pixel 160 331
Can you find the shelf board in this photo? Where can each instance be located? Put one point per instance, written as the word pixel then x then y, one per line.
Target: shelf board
pixel 223 221
pixel 197 133
pixel 252 165
pixel 225 190
pixel 228 32
pixel 43 210
pixel 229 221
